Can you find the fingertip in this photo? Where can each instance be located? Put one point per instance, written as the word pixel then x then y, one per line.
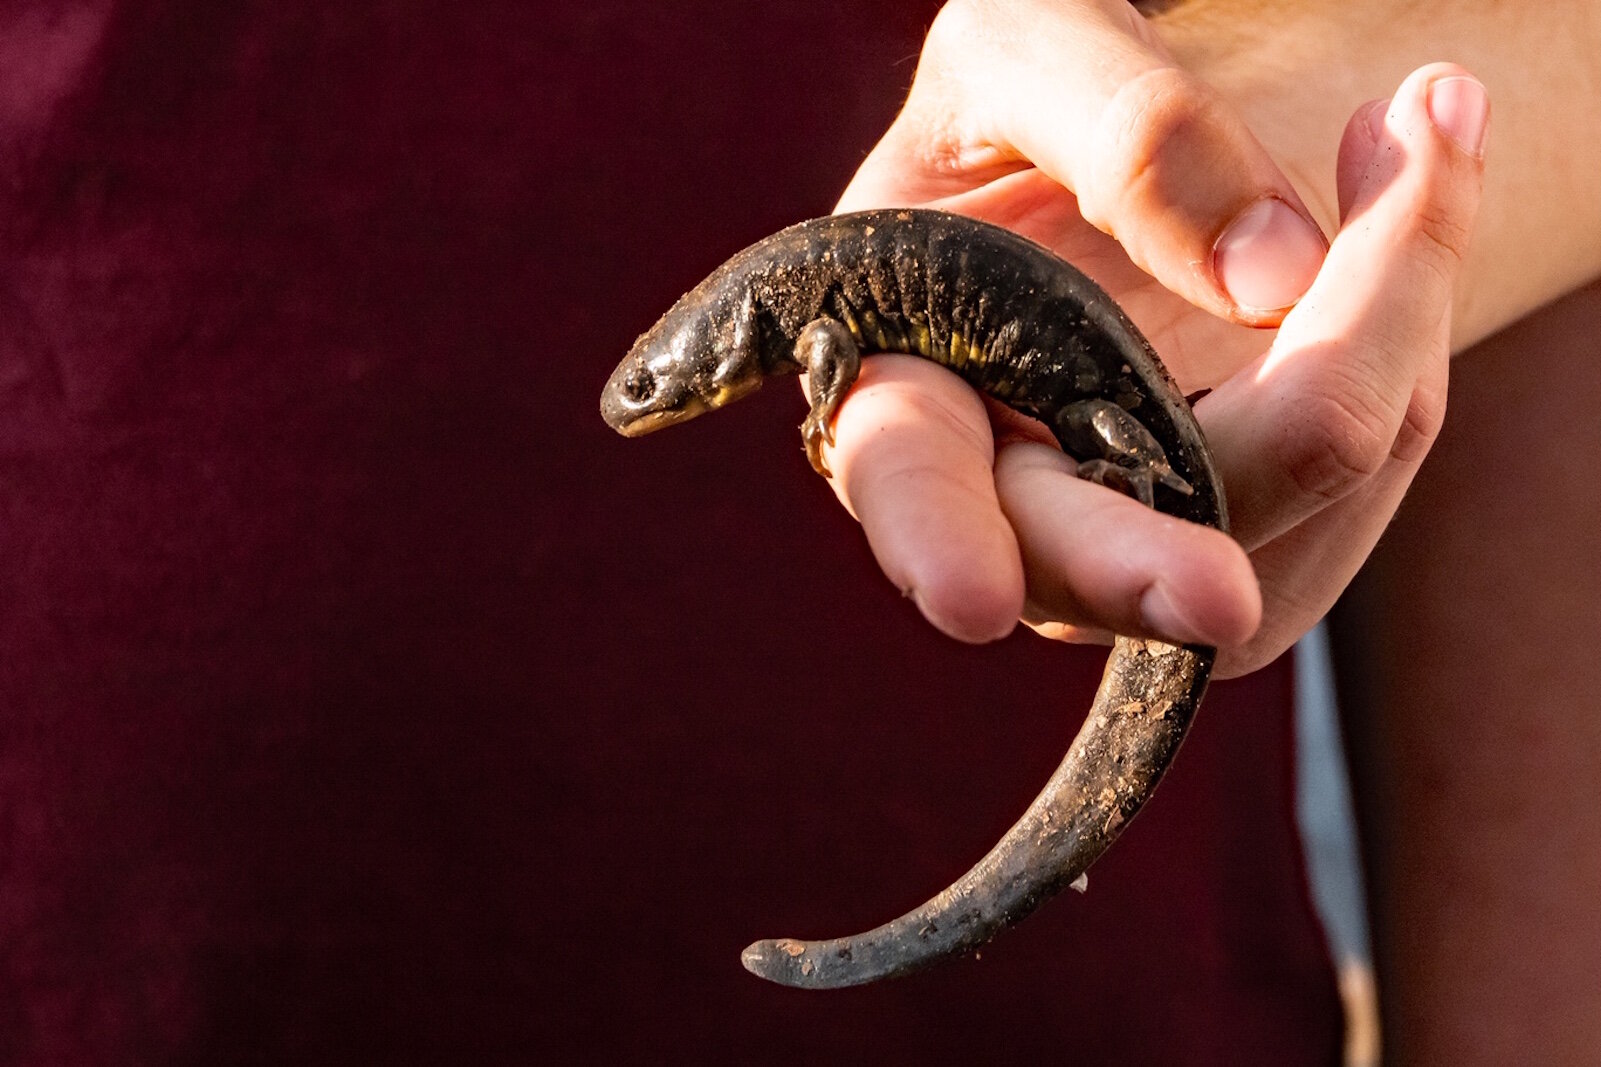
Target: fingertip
pixel 975 613
pixel 1459 105
pixel 1412 172
pixel 914 462
pixel 1234 603
pixel 1217 602
pixel 1267 258
pixel 1357 144
pixel 1439 107
pixel 1448 98
pixel 1096 559
pixel 959 565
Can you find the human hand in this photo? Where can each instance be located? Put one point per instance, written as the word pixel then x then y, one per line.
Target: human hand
pixel 1074 113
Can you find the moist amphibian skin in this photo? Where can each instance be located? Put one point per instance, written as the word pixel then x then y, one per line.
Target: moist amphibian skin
pixel 1020 325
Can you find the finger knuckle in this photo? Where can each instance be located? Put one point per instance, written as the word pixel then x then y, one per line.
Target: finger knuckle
pixel 1344 437
pixel 1147 115
pixel 1439 236
pixel 943 150
pixel 955 27
pixel 940 124
pixel 1421 424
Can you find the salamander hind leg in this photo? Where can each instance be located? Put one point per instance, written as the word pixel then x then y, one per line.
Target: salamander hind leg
pixel 1116 450
pixel 1135 482
pixel 827 351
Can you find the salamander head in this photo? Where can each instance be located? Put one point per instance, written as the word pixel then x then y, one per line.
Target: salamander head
pixel 689 363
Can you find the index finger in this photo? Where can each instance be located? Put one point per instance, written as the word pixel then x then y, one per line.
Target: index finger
pixel 1085 92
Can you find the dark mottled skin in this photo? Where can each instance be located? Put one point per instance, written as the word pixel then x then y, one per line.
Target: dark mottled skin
pixel 1020 325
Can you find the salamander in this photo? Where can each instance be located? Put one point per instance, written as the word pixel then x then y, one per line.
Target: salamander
pixel 1025 327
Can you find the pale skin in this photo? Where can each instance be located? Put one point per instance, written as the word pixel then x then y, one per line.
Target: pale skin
pixel 1136 148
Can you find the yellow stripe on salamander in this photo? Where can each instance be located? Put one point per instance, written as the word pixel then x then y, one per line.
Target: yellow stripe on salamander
pixel 851 324
pixel 961 351
pixel 873 326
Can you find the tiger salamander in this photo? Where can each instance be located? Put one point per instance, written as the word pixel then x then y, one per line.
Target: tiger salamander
pixel 1023 326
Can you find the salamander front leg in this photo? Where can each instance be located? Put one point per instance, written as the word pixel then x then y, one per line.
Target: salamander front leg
pixel 831 360
pixel 1116 450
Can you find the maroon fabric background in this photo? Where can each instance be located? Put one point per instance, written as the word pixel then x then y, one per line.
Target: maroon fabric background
pixel 363 699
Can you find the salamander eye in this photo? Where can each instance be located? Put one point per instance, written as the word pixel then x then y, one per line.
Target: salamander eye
pixel 639 386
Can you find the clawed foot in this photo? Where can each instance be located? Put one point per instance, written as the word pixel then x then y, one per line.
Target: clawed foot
pixel 831 361
pixel 1128 458
pixel 1137 483
pixel 818 430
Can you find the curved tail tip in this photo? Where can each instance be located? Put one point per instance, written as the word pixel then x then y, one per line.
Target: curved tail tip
pixel 782 960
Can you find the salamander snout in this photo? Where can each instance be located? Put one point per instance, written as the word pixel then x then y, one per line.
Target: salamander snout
pixel 640 398
pixel 683 367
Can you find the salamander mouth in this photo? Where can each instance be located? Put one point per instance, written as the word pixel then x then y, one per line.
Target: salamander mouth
pixel 639 423
pixel 634 411
pixel 733 390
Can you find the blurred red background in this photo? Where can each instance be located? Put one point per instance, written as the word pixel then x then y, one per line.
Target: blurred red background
pixel 366 700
